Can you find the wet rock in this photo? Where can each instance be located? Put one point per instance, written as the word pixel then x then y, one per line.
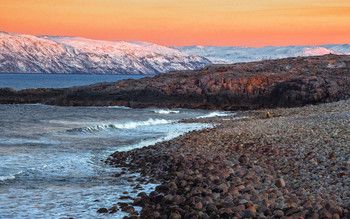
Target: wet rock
pixel 159 198
pixel 153 194
pixel 142 195
pixel 125 197
pixel 113 209
pixel 129 209
pixel 102 210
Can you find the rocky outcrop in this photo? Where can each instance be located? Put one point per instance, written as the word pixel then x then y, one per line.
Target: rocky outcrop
pixel 274 83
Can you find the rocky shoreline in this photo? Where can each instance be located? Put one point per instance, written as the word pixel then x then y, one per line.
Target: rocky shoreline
pixel 295 164
pixel 286 82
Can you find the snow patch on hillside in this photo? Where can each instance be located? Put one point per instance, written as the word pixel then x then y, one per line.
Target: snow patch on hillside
pixel 20 53
pixel 226 55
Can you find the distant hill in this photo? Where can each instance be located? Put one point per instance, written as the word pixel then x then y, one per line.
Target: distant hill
pixel 227 55
pixel 21 53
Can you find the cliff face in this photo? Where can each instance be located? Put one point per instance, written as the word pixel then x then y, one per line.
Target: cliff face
pixel 274 83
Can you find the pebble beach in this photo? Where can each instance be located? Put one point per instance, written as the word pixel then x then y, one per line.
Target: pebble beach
pixel 295 164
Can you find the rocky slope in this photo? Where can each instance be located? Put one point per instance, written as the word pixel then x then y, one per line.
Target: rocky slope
pixel 21 53
pixel 274 83
pixel 227 54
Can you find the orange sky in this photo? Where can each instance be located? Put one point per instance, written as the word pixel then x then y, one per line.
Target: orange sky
pixel 184 22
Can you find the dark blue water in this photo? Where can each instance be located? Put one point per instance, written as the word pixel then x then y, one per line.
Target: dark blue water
pixel 25 81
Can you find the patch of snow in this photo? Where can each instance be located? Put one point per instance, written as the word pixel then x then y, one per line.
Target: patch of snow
pixel 227 55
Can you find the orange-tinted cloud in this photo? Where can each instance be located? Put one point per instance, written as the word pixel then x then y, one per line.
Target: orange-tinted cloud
pixel 184 22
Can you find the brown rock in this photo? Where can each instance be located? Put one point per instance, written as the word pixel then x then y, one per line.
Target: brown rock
pixel 198 206
pixel 225 212
pixel 324 213
pixel 280 183
pixel 336 210
pixel 249 213
pixel 238 208
pixel 113 209
pixel 313 216
pixel 130 209
pixel 278 213
pixel 156 214
pixel 175 216
pixel 335 216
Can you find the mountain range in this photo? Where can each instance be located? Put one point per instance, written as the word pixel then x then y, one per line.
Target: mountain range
pixel 228 55
pixel 20 53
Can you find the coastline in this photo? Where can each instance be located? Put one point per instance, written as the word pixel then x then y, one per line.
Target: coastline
pixel 286 82
pixel 295 164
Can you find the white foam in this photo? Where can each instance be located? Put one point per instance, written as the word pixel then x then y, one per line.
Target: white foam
pixel 166 111
pixel 110 107
pixel 214 114
pixel 119 107
pixel 10 177
pixel 14 141
pixel 126 125
pixel 173 132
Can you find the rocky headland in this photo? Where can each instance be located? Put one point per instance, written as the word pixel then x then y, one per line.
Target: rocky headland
pixel 295 164
pixel 266 84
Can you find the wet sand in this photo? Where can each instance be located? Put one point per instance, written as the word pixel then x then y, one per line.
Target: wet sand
pixel 295 164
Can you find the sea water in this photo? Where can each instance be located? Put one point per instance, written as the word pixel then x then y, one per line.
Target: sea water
pixel 25 81
pixel 52 158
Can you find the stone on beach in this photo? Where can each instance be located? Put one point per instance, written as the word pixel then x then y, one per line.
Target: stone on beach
pixel 102 210
pixel 280 183
pixel 286 168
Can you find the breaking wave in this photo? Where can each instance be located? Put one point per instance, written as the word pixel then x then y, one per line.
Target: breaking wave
pixel 166 111
pixel 127 125
pixel 9 177
pixel 213 114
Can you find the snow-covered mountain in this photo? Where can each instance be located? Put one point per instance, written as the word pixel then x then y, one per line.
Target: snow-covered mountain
pixel 21 53
pixel 221 55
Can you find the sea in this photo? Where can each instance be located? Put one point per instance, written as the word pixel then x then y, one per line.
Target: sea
pixel 52 158
pixel 27 81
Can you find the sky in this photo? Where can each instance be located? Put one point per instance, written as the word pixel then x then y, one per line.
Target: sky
pixel 251 23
